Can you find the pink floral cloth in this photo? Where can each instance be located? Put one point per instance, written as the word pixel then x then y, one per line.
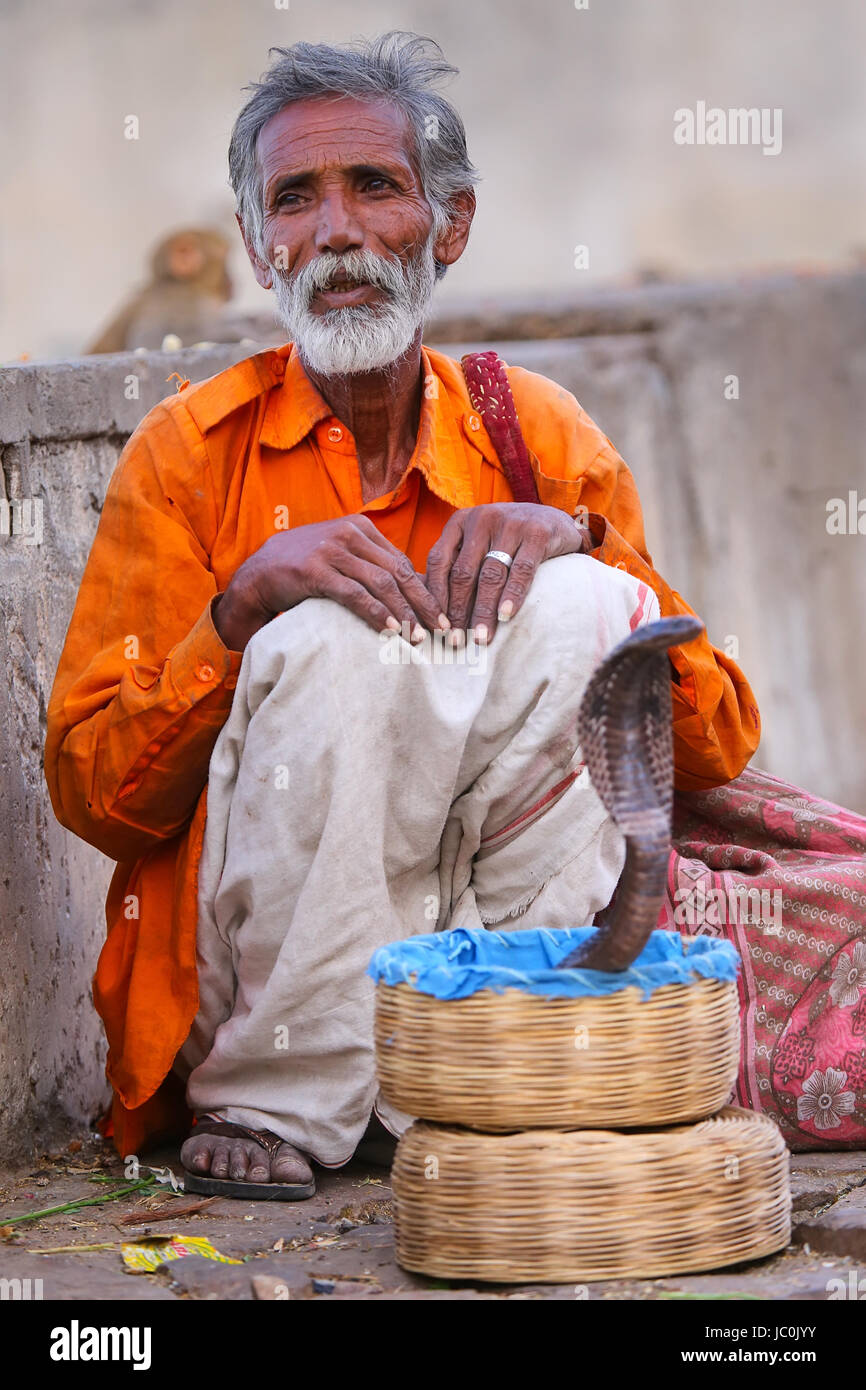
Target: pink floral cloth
pixel 782 875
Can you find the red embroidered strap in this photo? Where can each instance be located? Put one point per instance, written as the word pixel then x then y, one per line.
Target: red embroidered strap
pixel 491 396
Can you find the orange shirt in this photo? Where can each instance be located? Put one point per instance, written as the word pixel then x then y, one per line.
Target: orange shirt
pixel 145 683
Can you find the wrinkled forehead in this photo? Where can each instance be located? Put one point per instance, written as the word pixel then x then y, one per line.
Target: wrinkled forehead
pixel 333 134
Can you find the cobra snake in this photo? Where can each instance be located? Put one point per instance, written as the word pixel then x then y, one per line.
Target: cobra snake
pixel 624 725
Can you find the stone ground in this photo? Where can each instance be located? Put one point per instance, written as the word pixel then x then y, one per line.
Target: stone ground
pixel 340 1244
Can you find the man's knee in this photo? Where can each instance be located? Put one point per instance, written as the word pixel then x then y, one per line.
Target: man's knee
pixel 572 592
pixel 323 655
pixel 315 623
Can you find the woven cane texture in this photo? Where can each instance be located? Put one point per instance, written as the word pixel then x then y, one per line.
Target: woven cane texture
pixel 519 1061
pixel 551 1207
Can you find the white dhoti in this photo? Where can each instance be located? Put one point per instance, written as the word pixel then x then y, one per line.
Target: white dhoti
pixel 363 791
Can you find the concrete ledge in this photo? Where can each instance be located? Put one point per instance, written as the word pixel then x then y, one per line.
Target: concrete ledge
pixel 86 397
pixel 602 312
pixel 645 308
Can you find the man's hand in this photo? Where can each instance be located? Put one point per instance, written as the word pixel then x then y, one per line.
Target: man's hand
pixel 347 560
pixel 475 592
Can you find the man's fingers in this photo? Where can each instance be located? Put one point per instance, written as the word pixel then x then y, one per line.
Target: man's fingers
pixel 492 578
pixel 381 585
pixel 425 607
pixel 358 599
pixel 431 613
pixel 475 577
pixel 463 575
pixel 518 581
pixel 499 598
pixel 463 582
pixel 440 560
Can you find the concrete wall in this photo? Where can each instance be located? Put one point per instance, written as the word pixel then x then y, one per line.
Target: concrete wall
pixel 61 430
pixel 735 495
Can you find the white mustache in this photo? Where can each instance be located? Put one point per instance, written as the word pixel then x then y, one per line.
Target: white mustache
pixel 360 267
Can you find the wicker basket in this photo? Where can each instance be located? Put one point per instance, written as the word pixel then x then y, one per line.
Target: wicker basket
pixel 514 1060
pixel 554 1207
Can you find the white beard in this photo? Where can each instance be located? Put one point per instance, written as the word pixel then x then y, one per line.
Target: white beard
pixel 360 337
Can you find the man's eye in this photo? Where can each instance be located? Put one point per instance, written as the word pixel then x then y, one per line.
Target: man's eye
pixel 288 199
pixel 374 185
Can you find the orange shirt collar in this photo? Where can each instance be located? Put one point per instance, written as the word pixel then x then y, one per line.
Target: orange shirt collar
pixel 295 407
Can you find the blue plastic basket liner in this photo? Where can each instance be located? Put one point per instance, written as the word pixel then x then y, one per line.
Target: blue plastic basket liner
pixel 456 964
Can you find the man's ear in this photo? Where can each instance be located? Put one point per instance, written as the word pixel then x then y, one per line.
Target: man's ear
pixel 449 247
pixel 261 269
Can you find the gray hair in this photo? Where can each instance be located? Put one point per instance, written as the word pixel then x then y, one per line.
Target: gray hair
pixel 400 67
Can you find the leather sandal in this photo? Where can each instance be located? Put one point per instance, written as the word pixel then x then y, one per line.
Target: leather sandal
pixel 237 1187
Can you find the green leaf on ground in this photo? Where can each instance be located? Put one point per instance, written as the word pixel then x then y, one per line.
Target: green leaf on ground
pixel 81 1202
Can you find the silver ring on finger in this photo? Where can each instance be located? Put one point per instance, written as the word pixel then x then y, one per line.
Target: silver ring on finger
pixel 502 556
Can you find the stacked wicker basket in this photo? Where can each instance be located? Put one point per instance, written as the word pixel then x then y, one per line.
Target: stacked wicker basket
pixel 574 1139
pixel 572 1122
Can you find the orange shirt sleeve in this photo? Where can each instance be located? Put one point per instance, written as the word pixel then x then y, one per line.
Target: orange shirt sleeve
pixel 144 682
pixel 716 725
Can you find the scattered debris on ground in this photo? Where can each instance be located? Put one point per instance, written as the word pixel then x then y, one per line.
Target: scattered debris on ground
pixel 74 1217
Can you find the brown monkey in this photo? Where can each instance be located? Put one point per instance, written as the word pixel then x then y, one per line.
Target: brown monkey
pixel 189 284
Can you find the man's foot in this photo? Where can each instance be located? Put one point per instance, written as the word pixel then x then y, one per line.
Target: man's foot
pixel 233 1161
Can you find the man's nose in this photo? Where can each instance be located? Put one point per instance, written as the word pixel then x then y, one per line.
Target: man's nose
pixel 338 227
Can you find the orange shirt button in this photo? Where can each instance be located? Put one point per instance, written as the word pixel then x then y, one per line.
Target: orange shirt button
pixel 473 422
pixel 335 434
pixel 205 672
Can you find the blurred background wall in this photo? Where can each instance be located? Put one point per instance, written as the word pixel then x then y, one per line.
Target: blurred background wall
pixel 569 114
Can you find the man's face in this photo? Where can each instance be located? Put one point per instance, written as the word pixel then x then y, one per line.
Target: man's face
pixel 348 242
pixel 337 175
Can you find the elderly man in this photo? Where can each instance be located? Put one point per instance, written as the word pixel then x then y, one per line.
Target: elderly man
pixel 319 688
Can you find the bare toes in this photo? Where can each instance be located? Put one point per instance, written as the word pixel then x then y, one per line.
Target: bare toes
pixel 195 1154
pixel 219 1164
pixel 243 1160
pixel 290 1166
pixel 238 1160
